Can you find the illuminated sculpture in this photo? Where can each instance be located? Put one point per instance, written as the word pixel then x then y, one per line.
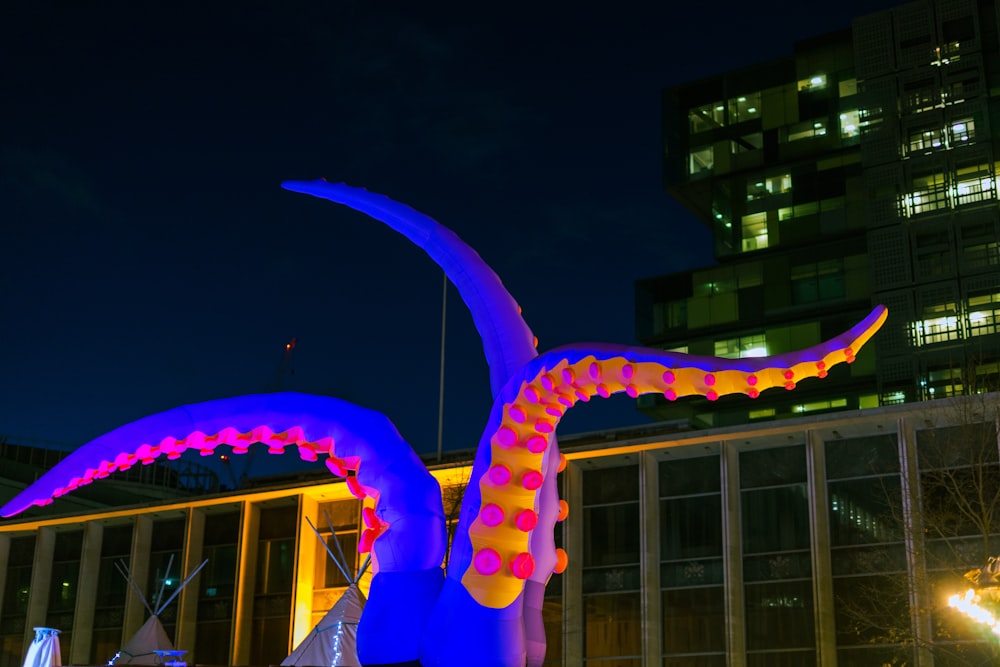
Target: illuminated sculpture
pixel 486 610
pixel 980 603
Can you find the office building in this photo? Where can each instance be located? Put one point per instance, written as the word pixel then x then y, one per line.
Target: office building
pixel 859 170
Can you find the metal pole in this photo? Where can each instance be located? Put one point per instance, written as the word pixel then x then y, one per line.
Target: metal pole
pixel 444 313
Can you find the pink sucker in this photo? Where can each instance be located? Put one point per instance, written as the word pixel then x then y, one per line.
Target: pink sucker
pixel 526 520
pixel 324 445
pixel 354 486
pixel 522 565
pixel 532 480
pixel 367 540
pixel 499 474
pixel 506 437
pixel 491 515
pixel 544 426
pixel 336 466
pixel 487 562
pixel 537 444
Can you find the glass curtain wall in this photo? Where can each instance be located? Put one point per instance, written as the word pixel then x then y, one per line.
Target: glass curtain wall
pixel 112 593
pixel 611 573
pixel 777 564
pixel 217 586
pixel 691 566
pixel 15 600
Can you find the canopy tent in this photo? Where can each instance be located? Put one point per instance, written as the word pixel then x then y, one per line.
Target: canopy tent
pixel 142 647
pixel 44 649
pixel 333 642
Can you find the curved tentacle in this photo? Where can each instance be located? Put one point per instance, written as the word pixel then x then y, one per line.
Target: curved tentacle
pixel 507 340
pixel 494 552
pixel 405 531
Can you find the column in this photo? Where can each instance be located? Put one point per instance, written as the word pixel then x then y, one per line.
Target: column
pixel 913 535
pixel 41 582
pixel 649 559
pixel 187 603
pixel 86 594
pixel 305 570
pixel 573 576
pixel 245 583
pixel 732 555
pixel 135 608
pixel 826 627
pixel 4 564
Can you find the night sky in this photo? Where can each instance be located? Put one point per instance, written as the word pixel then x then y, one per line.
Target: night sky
pixel 150 258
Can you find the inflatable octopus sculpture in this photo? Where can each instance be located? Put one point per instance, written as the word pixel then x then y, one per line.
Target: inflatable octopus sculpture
pixel 486 609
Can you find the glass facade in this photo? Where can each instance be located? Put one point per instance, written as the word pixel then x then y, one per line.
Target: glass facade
pixel 865 175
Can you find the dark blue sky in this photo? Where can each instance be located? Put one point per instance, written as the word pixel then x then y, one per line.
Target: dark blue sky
pixel 150 258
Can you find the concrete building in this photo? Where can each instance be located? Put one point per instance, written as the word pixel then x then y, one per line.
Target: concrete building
pixel 859 170
pixel 826 539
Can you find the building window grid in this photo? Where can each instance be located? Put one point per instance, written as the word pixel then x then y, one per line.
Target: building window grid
pixel 983 314
pixel 933 192
pixel 940 324
pixel 699 581
pixel 742 347
pixel 612 577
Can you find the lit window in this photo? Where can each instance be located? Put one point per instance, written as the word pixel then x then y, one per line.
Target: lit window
pixel 815 82
pixel 701 160
pixel 848 87
pixel 893 398
pixel 832 404
pixel 806 130
pixel 745 107
pixel 742 347
pixel 761 414
pixel 984 314
pixel 973 183
pixel 942 383
pixel 754 231
pixel 928 193
pixel 771 185
pixel 962 131
pixel 707 117
pixel 924 140
pixel 940 324
pixel 850 126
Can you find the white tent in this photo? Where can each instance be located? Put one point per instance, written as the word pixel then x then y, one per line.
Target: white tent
pixel 142 648
pixel 44 649
pixel 334 640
